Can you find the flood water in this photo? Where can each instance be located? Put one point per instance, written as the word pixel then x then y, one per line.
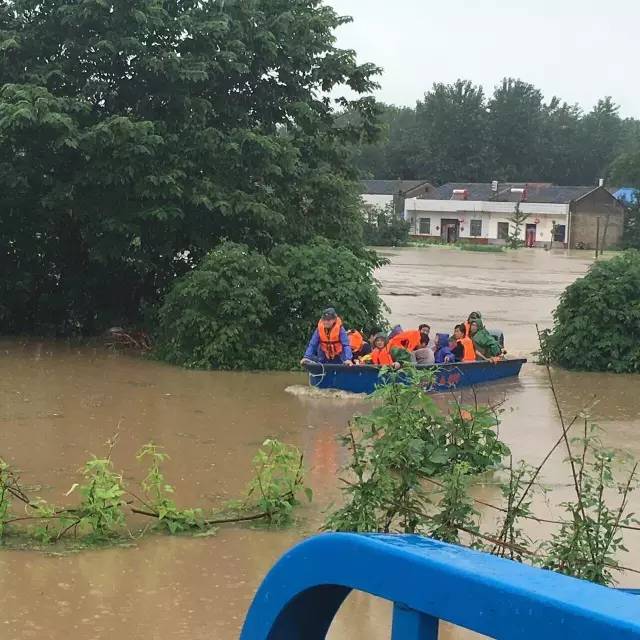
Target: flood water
pixel 60 403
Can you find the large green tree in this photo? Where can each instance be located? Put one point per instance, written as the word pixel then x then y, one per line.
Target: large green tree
pixel 601 139
pixel 516 115
pixel 135 134
pixel 451 123
pixel 456 134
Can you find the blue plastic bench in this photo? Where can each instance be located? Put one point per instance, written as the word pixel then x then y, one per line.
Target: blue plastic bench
pixel 430 581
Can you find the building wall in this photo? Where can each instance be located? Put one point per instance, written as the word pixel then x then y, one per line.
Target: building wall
pixel 490 214
pixel 376 201
pixel 584 220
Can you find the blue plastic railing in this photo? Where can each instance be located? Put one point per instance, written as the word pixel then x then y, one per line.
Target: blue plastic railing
pixel 430 581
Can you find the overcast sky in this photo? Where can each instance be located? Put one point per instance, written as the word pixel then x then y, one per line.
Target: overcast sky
pixel 579 50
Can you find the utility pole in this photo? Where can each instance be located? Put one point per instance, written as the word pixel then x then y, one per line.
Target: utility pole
pixel 597 235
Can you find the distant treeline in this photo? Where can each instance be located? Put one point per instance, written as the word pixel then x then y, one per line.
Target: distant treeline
pixel 459 133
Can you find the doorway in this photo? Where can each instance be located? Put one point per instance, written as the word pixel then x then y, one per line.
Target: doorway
pixel 449 230
pixel 530 235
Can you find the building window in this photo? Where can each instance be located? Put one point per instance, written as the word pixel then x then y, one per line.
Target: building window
pixel 476 228
pixel 425 226
pixel 503 230
pixel 559 232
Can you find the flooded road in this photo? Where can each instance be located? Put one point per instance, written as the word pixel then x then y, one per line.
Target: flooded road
pixel 60 403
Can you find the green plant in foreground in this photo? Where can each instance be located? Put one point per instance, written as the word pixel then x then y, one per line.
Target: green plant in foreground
pixel 407 442
pixel 101 510
pixel 456 512
pixel 403 441
pixel 588 541
pixel 277 483
pixel 157 492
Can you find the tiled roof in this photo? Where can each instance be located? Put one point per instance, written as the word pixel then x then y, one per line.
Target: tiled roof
pixel 389 187
pixel 536 192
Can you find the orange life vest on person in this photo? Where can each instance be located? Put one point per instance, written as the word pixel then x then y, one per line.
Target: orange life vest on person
pixel 469 354
pixel 330 340
pixel 409 340
pixel 356 341
pixel 381 357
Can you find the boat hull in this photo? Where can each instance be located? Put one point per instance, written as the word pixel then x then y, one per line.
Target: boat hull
pixel 365 378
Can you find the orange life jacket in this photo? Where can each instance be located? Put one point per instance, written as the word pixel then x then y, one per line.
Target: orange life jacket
pixel 469 354
pixel 330 340
pixel 409 340
pixel 356 341
pixel 381 357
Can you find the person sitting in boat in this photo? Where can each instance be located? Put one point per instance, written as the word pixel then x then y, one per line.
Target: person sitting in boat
pixel 486 346
pixel 444 349
pixel 359 346
pixel 464 350
pixel 381 354
pixel 424 354
pixel 329 343
pixel 474 315
pixel 426 339
pixel 409 340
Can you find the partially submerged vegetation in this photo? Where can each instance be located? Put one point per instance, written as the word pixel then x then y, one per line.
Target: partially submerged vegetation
pixel 480 248
pixel 597 323
pixel 412 467
pixel 241 309
pixel 102 513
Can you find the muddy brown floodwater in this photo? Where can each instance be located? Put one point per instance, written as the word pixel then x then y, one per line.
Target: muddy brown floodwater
pixel 60 403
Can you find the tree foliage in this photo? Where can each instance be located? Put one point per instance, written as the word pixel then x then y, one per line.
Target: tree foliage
pixel 135 134
pixel 459 133
pixel 242 309
pixel 597 323
pixel 383 228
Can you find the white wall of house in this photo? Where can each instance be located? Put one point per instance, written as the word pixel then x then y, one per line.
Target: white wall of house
pixel 490 214
pixel 377 201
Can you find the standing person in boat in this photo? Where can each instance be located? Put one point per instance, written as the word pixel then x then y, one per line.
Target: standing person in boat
pixel 486 346
pixel 464 350
pixel 329 343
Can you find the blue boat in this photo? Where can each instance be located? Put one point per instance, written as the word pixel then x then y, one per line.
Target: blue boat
pixel 365 378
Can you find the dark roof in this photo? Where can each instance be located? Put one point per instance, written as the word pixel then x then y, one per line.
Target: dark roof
pixel 390 187
pixel 536 192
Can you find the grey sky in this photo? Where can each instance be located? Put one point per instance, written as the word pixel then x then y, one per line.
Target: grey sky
pixel 579 50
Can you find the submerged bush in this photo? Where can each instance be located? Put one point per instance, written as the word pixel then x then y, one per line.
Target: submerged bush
pixel 242 310
pixel 597 323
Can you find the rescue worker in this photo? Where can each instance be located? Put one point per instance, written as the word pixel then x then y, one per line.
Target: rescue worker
pixel 464 350
pixel 329 343
pixel 381 354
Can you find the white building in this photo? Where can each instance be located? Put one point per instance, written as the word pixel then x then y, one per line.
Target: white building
pixel 378 194
pixel 481 212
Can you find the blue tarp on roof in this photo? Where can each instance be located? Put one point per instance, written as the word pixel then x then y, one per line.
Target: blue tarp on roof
pixel 628 195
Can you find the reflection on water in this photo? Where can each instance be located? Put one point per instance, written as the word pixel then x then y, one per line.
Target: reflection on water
pixel 59 404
